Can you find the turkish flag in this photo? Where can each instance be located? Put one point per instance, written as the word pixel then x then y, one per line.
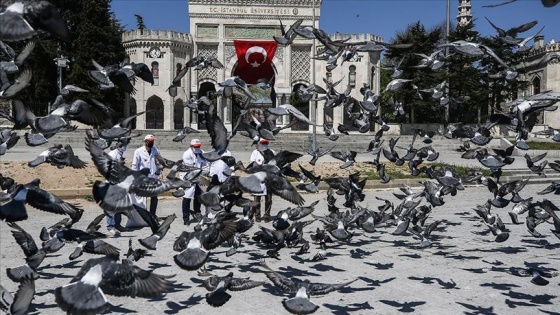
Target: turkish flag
pixel 254 59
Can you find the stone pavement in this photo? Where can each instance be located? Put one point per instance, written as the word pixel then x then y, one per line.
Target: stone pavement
pixel 464 272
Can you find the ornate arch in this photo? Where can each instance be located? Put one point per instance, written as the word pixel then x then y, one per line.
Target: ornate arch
pixel 155 112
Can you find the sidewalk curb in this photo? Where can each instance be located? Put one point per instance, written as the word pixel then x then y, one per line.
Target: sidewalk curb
pixel 85 192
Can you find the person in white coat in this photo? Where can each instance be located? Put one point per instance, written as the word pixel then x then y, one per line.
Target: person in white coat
pixel 258 159
pixel 192 157
pixel 148 156
pixel 219 167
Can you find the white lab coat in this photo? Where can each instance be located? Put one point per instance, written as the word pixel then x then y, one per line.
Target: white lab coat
pixel 258 158
pixel 218 167
pixel 191 159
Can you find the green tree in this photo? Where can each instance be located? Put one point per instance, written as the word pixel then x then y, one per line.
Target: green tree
pixel 140 22
pixel 423 42
pixel 468 87
pixel 96 35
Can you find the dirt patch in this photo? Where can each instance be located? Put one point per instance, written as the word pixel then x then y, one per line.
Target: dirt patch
pixel 53 177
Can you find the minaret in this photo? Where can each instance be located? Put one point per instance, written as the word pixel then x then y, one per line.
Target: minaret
pixel 464 13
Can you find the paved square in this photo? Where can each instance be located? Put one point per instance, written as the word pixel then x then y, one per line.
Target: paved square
pixel 464 272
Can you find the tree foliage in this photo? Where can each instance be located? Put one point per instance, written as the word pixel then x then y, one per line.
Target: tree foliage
pixel 425 42
pixel 96 35
pixel 140 22
pixel 472 86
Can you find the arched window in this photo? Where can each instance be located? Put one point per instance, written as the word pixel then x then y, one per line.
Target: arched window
pixel 155 72
pixel 536 85
pixel 178 67
pixel 352 76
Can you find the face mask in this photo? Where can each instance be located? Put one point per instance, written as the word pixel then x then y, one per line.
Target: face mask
pixel 150 144
pixel 264 147
pixel 197 150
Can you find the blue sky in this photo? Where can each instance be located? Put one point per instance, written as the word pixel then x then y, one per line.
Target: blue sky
pixel 380 17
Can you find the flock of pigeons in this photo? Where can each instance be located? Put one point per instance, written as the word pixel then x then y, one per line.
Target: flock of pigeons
pixel 110 275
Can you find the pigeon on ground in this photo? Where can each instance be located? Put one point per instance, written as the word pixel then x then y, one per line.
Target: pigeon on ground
pixel 300 304
pixel 85 294
pixel 220 285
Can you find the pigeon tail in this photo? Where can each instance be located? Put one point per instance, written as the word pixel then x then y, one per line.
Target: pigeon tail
pixel 217 298
pixel 150 242
pixel 81 298
pixel 299 305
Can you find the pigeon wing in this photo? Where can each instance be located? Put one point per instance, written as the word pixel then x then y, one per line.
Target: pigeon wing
pixel 142 71
pixel 284 189
pixel 285 283
pixel 20 83
pixel 46 201
pixel 24 240
pixel 86 113
pixel 321 288
pixel 239 284
pixel 23 296
pixel 24 53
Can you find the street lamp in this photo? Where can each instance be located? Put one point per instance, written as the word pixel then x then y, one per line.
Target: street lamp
pixel 314 140
pixel 61 62
pixel 447 29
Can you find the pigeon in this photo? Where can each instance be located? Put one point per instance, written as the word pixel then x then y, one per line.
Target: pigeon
pixel 194 247
pixel 183 132
pixel 21 19
pixel 95 246
pixel 8 139
pixel 396 84
pixel 38 198
pixel 10 89
pixel 289 35
pixel 120 75
pixel 198 63
pixel 236 82
pixel 316 154
pixel 348 157
pixel 15 62
pixel 158 230
pixel 219 285
pixel 58 156
pixel 300 304
pixel 537 276
pixel 85 294
pixel 21 301
pixel 34 255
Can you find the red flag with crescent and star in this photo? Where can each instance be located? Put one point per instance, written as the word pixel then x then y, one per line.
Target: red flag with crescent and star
pixel 254 59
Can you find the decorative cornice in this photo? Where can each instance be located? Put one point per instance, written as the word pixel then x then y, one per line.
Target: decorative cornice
pixel 298 3
pixel 546 48
pixel 134 35
pixel 243 16
pixel 161 43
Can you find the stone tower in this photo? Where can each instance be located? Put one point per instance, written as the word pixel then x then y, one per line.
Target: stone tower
pixel 165 52
pixel 464 12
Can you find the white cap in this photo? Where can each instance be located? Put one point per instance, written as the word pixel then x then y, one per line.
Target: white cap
pixel 196 143
pixel 149 138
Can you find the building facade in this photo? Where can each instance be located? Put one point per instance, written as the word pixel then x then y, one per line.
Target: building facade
pixel 214 25
pixel 542 77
